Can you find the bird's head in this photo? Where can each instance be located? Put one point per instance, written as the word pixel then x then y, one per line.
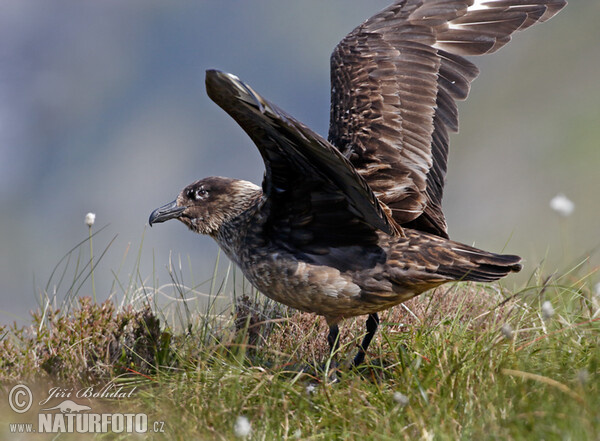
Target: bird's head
pixel 206 204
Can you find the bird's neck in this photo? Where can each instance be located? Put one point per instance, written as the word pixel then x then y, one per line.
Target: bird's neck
pixel 233 231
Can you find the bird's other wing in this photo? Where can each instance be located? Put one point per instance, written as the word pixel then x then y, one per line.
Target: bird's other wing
pixel 313 197
pixel 395 81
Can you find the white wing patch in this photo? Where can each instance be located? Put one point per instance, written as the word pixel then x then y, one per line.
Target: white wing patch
pixel 479 5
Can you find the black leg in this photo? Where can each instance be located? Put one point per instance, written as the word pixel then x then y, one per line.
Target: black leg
pixel 333 338
pixel 372 323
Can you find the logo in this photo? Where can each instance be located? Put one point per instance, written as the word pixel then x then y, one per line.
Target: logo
pixel 63 411
pixel 69 406
pixel 20 398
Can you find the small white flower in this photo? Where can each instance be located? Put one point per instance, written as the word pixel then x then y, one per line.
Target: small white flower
pixel 242 427
pixel 547 310
pixel 298 434
pixel 311 389
pixel 583 376
pixel 562 205
pixel 507 331
pixel 597 289
pixel 401 399
pixel 90 218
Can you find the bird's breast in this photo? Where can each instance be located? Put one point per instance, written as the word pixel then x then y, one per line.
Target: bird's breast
pixel 287 279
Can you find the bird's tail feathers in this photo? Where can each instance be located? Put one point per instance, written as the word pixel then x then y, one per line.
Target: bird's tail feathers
pixel 482 266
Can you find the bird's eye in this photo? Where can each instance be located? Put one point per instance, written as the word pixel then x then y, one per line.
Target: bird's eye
pixel 201 193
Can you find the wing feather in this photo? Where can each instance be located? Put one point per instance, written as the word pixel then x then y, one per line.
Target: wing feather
pixel 312 194
pixel 395 82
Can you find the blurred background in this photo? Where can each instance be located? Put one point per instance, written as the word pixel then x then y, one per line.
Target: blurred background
pixel 103 109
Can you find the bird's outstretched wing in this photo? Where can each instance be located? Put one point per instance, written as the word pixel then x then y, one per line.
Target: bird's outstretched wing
pixel 313 197
pixel 395 81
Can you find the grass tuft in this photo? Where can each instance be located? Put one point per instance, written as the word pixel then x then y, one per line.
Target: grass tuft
pixel 92 343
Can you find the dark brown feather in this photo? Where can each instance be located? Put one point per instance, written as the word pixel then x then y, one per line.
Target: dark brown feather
pixel 312 194
pixel 395 82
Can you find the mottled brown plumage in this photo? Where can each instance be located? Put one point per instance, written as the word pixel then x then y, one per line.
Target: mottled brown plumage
pixel 353 225
pixel 395 81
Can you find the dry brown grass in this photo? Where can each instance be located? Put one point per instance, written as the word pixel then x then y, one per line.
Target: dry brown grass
pixel 93 341
pixel 88 342
pixel 306 333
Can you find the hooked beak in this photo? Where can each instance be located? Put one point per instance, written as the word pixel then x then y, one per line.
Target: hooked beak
pixel 166 212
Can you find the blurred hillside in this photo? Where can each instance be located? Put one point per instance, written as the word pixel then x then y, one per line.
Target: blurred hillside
pixel 103 109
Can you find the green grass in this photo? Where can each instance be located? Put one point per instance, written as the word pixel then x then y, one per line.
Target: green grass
pixel 463 379
pixel 475 362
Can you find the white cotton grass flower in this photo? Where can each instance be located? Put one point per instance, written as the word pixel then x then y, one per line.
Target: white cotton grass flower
pixel 547 310
pixel 311 389
pixel 90 218
pixel 242 427
pixel 401 399
pixel 562 205
pixel 583 376
pixel 507 331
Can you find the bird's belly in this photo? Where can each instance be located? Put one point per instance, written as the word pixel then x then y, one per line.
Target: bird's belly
pixel 318 289
pixel 311 288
